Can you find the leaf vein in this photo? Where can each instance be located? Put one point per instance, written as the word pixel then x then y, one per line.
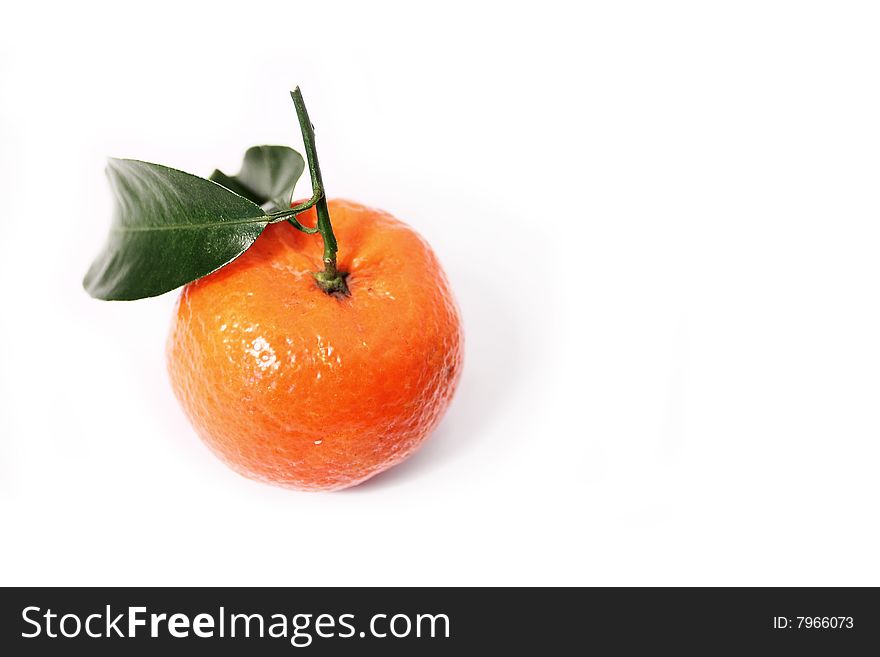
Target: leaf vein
pixel 214 224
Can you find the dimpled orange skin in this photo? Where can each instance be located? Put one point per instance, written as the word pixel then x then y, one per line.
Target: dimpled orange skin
pixel 294 387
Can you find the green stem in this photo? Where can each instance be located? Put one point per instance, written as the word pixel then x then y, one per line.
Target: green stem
pixel 330 280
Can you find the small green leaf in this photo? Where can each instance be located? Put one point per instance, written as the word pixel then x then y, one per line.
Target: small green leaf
pixel 268 174
pixel 169 228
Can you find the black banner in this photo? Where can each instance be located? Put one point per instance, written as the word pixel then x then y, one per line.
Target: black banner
pixel 279 621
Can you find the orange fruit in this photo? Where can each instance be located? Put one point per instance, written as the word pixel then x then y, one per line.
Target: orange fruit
pixel 296 387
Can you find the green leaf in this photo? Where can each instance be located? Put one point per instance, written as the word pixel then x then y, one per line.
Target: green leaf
pixel 169 228
pixel 268 174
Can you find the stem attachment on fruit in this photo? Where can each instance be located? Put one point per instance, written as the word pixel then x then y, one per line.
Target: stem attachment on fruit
pixel 331 280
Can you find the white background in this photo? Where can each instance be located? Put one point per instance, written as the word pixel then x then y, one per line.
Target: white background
pixel 661 223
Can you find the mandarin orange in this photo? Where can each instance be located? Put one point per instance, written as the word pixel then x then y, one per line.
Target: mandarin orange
pixel 300 388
